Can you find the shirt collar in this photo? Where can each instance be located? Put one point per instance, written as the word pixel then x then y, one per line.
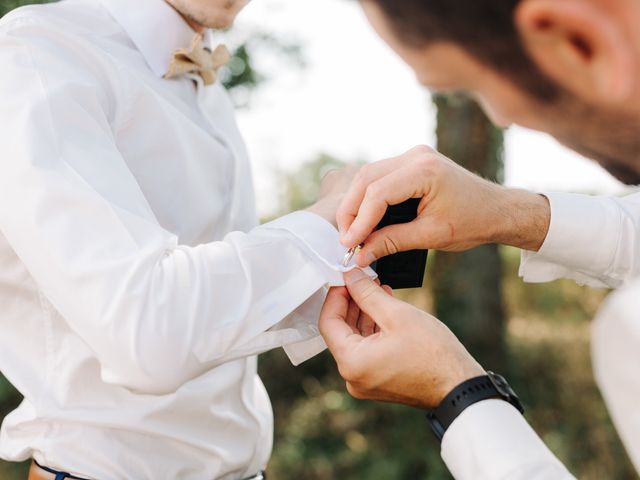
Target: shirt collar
pixel 155 28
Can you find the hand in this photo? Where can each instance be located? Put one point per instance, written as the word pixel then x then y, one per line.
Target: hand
pixel 458 211
pixel 332 191
pixel 410 358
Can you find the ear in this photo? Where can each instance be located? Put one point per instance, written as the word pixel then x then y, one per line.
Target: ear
pixel 580 46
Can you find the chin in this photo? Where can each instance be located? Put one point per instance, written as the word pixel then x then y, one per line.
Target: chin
pixel 221 21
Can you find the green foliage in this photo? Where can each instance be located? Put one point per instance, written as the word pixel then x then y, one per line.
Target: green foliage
pixel 8 5
pixel 241 75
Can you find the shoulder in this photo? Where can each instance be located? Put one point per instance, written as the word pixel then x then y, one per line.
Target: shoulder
pixel 63 46
pixel 73 33
pixel 79 19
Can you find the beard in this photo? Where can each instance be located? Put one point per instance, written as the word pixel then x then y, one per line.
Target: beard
pixel 622 171
pixel 610 138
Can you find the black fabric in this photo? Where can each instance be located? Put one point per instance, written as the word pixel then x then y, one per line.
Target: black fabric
pixel 59 475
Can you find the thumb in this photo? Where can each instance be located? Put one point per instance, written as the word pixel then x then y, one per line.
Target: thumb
pixel 371 297
pixel 391 240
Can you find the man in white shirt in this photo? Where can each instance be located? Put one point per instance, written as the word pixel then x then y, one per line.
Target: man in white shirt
pixel 135 285
pixel 570 68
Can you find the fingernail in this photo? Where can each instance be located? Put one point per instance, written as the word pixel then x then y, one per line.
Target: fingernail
pixel 369 258
pixel 354 276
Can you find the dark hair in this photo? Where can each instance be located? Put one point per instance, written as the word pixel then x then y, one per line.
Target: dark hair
pixel 484 28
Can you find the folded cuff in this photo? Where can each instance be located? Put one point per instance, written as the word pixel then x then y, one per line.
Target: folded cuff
pixel 581 244
pixel 321 243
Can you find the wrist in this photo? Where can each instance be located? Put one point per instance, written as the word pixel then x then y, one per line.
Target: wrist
pixel 465 373
pixel 326 208
pixel 468 393
pixel 525 219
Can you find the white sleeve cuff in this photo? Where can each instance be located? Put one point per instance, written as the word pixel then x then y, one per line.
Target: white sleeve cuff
pixel 491 440
pixel 581 244
pixel 321 242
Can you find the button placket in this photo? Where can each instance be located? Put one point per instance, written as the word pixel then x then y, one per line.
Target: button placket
pixel 229 170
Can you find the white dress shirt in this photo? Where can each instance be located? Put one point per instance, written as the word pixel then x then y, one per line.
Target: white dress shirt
pixel 595 241
pixel 135 288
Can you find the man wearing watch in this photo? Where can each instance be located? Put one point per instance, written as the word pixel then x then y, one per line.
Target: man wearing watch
pixel 571 69
pixel 414 359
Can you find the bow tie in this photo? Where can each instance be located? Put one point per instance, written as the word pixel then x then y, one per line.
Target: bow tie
pixel 200 60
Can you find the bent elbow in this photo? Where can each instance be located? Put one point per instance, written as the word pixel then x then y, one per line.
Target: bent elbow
pixel 158 368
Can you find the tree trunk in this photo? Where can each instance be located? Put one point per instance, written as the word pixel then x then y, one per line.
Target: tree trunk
pixel 467 286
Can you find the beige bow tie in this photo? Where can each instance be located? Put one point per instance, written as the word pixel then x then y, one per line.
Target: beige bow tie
pixel 199 60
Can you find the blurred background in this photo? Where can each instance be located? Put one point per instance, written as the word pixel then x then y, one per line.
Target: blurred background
pixel 315 88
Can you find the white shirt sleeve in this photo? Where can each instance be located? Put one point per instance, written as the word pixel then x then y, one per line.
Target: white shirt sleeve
pixel 593 240
pixel 491 440
pixel 156 313
pixel 616 356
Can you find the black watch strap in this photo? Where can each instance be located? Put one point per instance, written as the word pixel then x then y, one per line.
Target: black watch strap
pixel 466 394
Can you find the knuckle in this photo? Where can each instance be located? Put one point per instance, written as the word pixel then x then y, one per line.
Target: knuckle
pixel 422 150
pixel 351 372
pixel 428 167
pixel 362 175
pixel 368 292
pixel 374 191
pixel 426 160
pixel 330 175
pixel 343 217
pixel 391 246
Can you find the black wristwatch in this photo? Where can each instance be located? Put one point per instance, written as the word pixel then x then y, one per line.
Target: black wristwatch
pixel 466 394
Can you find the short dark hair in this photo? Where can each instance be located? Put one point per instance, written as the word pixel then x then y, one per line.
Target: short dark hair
pixel 484 28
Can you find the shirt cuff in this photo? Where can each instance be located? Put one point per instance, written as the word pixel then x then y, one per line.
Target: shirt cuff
pixel 581 244
pixel 492 440
pixel 321 243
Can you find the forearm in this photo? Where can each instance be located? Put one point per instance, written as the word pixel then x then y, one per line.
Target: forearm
pixel 522 219
pixel 166 314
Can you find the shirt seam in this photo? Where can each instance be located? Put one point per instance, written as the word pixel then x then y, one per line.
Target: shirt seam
pixel 46 434
pixel 610 272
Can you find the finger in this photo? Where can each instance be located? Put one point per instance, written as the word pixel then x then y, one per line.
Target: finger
pixel 370 297
pixel 368 174
pixel 393 239
pixel 350 205
pixel 353 313
pixel 355 318
pixel 332 324
pixel 389 291
pixel 393 189
pixel 366 325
